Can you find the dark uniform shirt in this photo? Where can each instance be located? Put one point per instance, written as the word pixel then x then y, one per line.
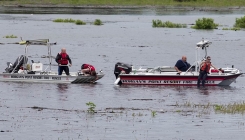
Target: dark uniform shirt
pixel 182 66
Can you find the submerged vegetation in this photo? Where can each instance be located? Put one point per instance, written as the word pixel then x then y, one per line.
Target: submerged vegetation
pixel 98 22
pixel 240 22
pixel 10 36
pixel 167 24
pixel 205 23
pixel 214 3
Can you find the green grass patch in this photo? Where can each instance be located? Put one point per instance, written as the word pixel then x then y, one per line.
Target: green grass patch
pixel 69 20
pixel 240 22
pixel 214 3
pixel 10 36
pixel 58 20
pixel 158 23
pixel 98 22
pixel 91 107
pixel 231 108
pixel 65 20
pixel 205 23
pixel 77 22
pixel 234 29
pixel 80 22
pixel 153 113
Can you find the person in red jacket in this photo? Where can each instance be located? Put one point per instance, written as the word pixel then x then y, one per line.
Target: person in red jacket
pixel 90 70
pixel 63 59
pixel 205 67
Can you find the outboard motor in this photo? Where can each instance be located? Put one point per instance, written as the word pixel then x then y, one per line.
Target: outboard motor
pixel 119 67
pixel 17 64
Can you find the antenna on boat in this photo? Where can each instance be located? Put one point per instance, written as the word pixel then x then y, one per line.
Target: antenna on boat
pixel 49 54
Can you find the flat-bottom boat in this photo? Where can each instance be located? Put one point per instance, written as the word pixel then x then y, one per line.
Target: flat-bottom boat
pixel 20 71
pixel 167 75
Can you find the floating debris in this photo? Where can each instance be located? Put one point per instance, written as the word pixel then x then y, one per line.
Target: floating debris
pixel 10 36
pixel 141 46
pixel 45 56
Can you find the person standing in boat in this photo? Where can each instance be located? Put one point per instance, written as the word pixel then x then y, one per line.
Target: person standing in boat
pixel 90 70
pixel 204 71
pixel 63 59
pixel 182 65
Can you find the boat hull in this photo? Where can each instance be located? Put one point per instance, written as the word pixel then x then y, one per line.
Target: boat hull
pixel 47 78
pixel 181 80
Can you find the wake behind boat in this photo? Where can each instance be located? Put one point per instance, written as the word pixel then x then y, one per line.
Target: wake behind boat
pixel 167 75
pixel 21 71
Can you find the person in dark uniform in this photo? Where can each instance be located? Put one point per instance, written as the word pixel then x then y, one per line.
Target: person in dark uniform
pixel 63 59
pixel 182 65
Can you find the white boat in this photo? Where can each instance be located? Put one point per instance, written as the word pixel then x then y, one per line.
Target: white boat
pixel 22 71
pixel 167 75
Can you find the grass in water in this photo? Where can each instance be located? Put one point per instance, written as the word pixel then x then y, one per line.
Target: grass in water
pixel 91 106
pixel 218 108
pixel 231 108
pixel 65 20
pixel 69 20
pixel 10 36
pixel 153 113
pixel 98 22
pixel 234 28
pixel 80 22
pixel 214 3
pixel 240 22
pixel 167 24
pixel 205 23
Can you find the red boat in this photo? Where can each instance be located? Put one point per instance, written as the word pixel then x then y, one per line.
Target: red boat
pixel 166 75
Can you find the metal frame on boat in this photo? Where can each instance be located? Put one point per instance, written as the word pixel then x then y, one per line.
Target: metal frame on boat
pixel 167 75
pixel 20 71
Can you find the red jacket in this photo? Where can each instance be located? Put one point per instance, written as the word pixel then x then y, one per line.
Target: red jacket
pixel 63 58
pixel 88 66
pixel 206 67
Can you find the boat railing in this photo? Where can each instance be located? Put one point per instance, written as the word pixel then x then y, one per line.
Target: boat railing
pixel 158 69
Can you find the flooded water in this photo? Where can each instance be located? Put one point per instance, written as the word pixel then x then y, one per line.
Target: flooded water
pixel 58 111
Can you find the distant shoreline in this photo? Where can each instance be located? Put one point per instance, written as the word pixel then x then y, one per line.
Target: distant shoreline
pixel 122 6
pixel 52 9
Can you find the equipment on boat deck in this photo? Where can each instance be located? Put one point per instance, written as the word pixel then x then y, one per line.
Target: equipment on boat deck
pixel 19 62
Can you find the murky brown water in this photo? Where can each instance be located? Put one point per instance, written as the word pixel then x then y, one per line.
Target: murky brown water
pixel 123 112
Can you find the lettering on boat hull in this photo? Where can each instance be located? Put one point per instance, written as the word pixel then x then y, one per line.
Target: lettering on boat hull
pixel 35 77
pixel 166 82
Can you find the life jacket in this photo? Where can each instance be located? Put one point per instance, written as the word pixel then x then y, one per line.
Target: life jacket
pixel 90 67
pixel 206 67
pixel 63 59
